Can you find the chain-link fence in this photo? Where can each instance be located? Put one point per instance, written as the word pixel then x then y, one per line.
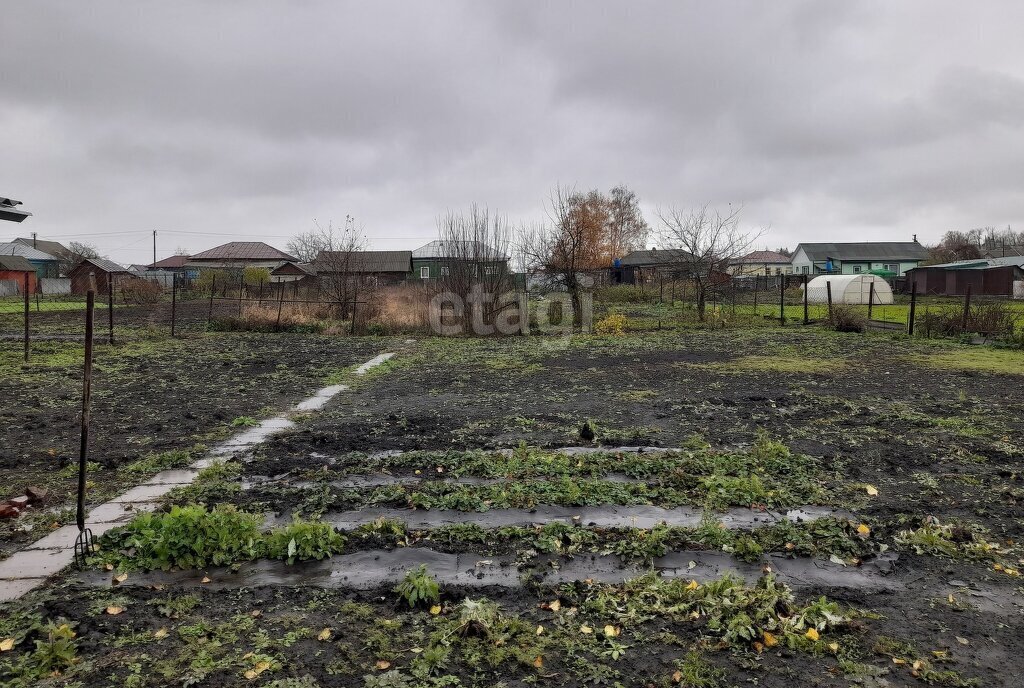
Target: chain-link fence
pixel 127 306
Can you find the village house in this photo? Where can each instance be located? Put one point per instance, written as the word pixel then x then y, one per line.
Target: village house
pixel 761 264
pixel 238 255
pixel 13 271
pixel 883 258
pixel 369 267
pixel 433 261
pixel 45 264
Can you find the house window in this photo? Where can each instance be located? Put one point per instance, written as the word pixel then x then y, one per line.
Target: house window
pixel 778 271
pixel 491 270
pixel 444 271
pixel 425 272
pixel 804 269
pixel 891 267
pixel 856 268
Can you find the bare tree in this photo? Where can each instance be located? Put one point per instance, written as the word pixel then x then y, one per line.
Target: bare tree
pixel 701 243
pixel 77 251
pixel 336 260
pixel 474 266
pixel 562 250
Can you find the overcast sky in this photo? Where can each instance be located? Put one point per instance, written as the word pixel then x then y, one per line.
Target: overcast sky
pixel 827 121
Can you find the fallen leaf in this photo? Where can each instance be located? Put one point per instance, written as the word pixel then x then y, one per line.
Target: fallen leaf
pixel 109 567
pixel 962 640
pixel 114 611
pixel 206 579
pixel 871 490
pixel 863 530
pixel 898 660
pixel 540 630
pixel 6 645
pixel 693 585
pixel 255 613
pixel 538 662
pixel 324 634
pixel 834 647
pixel 586 630
pixel 554 606
pixel 677 676
pixel 435 610
pixel 160 633
pixel 257 670
pixel 770 640
pixel 383 664
pixel 758 646
pixel 812 634
pixel 121 579
pixel 611 631
pixel 917 665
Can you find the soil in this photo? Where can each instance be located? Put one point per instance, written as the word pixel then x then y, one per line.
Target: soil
pixel 149 397
pixel 869 411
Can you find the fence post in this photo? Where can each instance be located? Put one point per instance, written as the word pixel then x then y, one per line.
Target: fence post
pixel 241 286
pixel 174 302
pixel 27 306
pixel 260 302
pixel 83 448
pixel 828 292
pixel 806 319
pixel 871 298
pixel 757 284
pixel 913 307
pixel 782 300
pixel 110 309
pixel 967 309
pixel 280 303
pixel 213 290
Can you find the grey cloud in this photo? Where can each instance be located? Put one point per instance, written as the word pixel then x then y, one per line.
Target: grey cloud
pixel 847 120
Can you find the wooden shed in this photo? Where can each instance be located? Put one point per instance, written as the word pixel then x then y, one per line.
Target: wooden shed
pixel 107 272
pixel 14 269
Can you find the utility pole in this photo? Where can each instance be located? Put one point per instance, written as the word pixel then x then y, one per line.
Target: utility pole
pixel 154 246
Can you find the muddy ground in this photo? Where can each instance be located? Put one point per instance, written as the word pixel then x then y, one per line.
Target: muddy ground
pixel 156 403
pixel 909 451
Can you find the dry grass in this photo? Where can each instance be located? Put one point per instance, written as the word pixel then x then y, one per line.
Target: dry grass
pixel 399 308
pixel 294 317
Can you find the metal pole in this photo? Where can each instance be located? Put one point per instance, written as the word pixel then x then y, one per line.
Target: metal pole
pixel 154 246
pixel 110 307
pixel 828 291
pixel 28 276
pixel 871 298
pixel 174 302
pixel 213 290
pixel 280 303
pixel 241 286
pixel 967 309
pixel 83 544
pixel 913 307
pixel 806 319
pixel 782 300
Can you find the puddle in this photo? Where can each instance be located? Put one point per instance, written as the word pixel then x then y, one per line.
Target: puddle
pixel 576 451
pixel 317 401
pixel 602 516
pixel 355 482
pixel 373 568
pixel 253 436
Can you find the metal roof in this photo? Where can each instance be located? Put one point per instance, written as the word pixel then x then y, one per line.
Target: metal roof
pixel 54 248
pixel 9 210
pixel 243 250
pixel 170 262
pixel 12 248
pixel 762 257
pixel 865 250
pixel 655 256
pixel 980 263
pixel 457 249
pixel 364 261
pixel 102 264
pixel 16 264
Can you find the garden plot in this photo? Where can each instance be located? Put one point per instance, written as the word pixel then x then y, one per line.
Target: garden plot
pixel 784 537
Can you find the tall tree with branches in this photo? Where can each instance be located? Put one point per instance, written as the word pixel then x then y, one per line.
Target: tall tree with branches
pixel 701 243
pixel 336 252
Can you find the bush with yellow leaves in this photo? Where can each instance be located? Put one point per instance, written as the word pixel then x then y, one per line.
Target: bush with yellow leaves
pixel 614 324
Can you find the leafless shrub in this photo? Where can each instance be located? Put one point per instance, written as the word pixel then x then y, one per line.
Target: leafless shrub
pixel 140 291
pixel 396 309
pixel 990 318
pixel 847 319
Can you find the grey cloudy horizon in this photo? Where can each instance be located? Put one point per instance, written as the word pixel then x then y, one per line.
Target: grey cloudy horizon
pixel 212 122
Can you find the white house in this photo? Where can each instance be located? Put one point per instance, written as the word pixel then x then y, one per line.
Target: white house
pixel 877 257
